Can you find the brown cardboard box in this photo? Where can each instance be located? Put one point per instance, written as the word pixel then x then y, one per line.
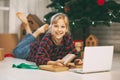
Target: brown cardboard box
pixel 8 42
pixel 2 51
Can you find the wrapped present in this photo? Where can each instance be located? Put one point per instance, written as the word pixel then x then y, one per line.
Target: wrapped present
pixel 78 45
pixel 2 52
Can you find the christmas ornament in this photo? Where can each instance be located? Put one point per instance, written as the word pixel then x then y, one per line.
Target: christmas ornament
pixel 78 44
pixel 66 9
pixel 101 2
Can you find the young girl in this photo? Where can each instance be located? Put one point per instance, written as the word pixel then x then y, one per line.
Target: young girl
pixel 55 44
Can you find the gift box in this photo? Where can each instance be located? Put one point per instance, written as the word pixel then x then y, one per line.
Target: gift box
pixel 78 45
pixel 8 42
pixel 2 52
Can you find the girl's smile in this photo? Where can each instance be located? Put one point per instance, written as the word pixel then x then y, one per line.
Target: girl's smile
pixel 59 29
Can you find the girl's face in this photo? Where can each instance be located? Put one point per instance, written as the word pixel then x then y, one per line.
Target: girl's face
pixel 59 29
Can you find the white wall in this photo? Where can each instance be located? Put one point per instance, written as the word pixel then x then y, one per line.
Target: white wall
pixel 4 12
pixel 41 8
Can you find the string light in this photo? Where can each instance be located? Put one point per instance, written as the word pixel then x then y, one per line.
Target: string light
pixel 62 7
pixel 110 22
pixel 93 22
pixel 73 23
pixel 45 19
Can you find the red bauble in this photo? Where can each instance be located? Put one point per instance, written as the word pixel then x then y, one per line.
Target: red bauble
pixel 101 2
pixel 66 9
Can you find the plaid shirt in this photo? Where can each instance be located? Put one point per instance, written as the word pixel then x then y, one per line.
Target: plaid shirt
pixel 46 50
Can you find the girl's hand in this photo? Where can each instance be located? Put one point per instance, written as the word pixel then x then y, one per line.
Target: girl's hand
pixel 57 63
pixel 78 62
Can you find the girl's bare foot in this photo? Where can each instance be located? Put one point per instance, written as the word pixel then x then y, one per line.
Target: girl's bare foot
pixel 41 30
pixel 24 20
pixel 22 17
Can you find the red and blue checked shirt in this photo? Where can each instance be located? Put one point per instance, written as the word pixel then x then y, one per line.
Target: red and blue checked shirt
pixel 45 50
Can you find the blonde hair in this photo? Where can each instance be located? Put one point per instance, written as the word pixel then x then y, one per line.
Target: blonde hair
pixel 58 16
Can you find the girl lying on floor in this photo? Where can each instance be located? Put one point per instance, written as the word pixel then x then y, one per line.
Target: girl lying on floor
pixel 55 44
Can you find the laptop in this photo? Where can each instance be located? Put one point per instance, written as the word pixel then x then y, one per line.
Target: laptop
pixel 96 59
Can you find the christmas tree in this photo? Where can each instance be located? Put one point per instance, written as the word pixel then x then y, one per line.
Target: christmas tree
pixel 85 13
